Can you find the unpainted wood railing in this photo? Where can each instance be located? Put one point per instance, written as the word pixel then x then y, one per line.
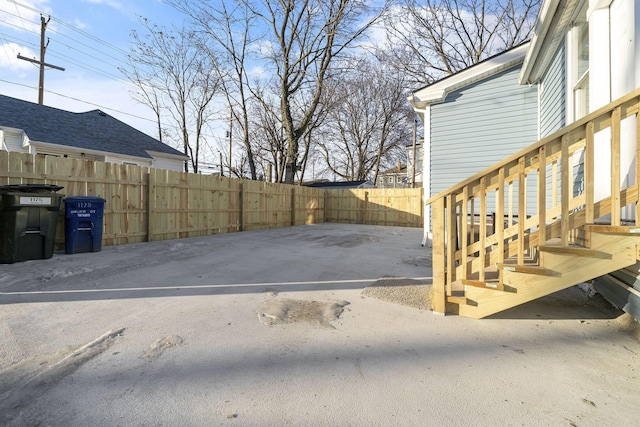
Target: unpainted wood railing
pixel 543 175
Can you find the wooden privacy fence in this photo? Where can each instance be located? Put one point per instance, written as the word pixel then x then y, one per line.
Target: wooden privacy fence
pixel 144 204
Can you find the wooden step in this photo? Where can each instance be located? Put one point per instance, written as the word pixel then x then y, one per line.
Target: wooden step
pixel 613 229
pixel 527 269
pixel 497 286
pixel 461 301
pixel 574 250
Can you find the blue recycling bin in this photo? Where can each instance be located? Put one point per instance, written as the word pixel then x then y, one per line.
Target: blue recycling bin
pixel 83 224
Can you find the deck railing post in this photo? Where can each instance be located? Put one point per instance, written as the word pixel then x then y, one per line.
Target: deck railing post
pixel 564 192
pixel 438 301
pixel 542 195
pixel 615 167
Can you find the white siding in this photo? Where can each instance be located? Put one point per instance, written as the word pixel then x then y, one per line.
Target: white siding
pixel 13 141
pixel 170 164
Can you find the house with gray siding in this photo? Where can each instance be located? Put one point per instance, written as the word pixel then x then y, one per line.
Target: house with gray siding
pixel 473 119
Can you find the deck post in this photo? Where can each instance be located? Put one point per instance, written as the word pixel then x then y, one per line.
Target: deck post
pixel 438 301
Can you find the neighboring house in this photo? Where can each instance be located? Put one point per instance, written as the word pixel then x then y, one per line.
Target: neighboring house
pixel 396 177
pixel 414 173
pixel 340 185
pixel 27 127
pixel 473 119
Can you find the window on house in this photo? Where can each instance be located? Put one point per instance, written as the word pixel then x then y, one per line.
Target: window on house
pixel 390 180
pixel 580 64
pixel 399 179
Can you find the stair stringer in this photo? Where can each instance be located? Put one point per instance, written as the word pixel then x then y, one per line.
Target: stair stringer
pixel 569 271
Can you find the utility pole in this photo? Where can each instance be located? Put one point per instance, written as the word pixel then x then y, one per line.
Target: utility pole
pixel 43 49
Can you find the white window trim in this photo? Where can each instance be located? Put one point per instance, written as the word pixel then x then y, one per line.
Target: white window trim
pixel 582 82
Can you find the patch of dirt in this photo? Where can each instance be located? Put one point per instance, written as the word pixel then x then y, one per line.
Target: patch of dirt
pixel 346 241
pixel 628 324
pixel 283 311
pixel 400 290
pixel 418 261
pixel 157 348
pixel 21 382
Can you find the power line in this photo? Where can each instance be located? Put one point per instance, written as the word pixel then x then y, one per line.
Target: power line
pixel 71 38
pixel 59 55
pixel 86 45
pixel 80 100
pixel 18 27
pixel 71 27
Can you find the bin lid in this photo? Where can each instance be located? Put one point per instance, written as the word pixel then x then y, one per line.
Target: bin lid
pixel 30 188
pixel 92 199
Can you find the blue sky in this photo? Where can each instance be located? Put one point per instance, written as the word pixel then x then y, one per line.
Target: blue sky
pixel 90 39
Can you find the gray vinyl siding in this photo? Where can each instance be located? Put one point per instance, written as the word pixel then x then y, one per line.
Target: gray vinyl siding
pixel 552 95
pixel 480 125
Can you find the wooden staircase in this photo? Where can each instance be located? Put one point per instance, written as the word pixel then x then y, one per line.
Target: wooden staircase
pixel 541 247
pixel 558 267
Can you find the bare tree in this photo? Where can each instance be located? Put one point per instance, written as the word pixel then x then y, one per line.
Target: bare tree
pixel 429 39
pixel 368 120
pixel 298 41
pixel 227 27
pixel 178 81
pixel 306 37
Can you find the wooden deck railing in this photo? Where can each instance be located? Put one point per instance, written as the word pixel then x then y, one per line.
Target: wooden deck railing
pixel 543 175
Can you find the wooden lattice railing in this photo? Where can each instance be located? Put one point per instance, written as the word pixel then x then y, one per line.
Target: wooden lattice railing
pixel 537 207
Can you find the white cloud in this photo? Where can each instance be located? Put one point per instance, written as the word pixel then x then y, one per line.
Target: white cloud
pixel 127 9
pixel 9 57
pixel 114 4
pixel 23 15
pixel 257 71
pixel 80 25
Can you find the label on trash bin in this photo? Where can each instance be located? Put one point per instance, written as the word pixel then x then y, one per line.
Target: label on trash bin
pixel 83 213
pixel 29 200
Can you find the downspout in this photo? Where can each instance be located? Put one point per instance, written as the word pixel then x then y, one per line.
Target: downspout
pixel 426 174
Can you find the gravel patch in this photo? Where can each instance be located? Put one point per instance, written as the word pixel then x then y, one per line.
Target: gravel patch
pixel 400 290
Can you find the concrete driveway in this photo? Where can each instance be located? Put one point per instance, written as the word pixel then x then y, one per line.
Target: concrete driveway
pixel 270 328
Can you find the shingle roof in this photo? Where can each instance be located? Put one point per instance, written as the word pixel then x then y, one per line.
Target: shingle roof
pixel 93 130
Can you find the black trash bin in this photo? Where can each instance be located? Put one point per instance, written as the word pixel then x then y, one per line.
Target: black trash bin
pixel 83 224
pixel 28 220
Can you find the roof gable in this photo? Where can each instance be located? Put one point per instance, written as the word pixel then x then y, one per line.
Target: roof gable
pixel 439 90
pixel 553 21
pixel 92 130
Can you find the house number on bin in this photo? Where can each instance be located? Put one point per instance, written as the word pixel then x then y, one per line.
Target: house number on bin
pixel 35 200
pixel 82 205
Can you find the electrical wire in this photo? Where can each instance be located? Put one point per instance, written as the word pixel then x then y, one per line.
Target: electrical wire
pixel 110 63
pixel 80 100
pixel 54 53
pixel 71 27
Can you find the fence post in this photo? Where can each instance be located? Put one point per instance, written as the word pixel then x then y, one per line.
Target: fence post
pixel 365 207
pixel 150 203
pixel 293 205
pixel 325 194
pixel 241 206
